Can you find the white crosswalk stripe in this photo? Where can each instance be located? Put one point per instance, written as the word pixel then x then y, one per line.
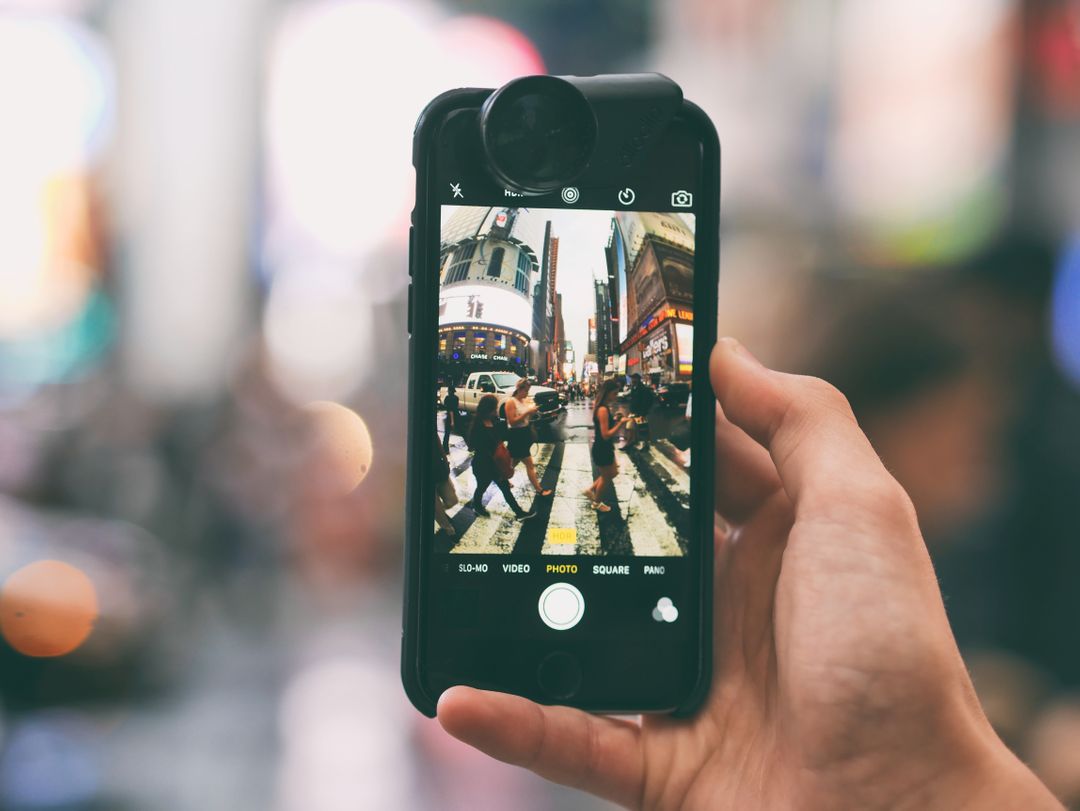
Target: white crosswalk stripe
pixel 680 477
pixel 573 527
pixel 520 485
pixel 650 532
pixel 570 509
pixel 497 533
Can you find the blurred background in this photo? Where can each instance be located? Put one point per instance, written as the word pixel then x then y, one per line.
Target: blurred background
pixel 203 221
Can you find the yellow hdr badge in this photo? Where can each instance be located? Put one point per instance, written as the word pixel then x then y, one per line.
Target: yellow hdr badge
pixel 562 535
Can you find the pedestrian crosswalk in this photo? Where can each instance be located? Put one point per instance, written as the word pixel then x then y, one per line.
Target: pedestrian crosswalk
pixel 649 503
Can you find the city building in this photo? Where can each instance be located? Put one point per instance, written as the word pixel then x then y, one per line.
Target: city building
pixel 605 346
pixel 650 266
pixel 543 310
pixel 612 327
pixel 489 274
pixel 557 339
pixel 552 359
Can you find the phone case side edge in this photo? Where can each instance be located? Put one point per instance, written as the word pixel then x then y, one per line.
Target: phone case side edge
pixel 704 437
pixel 420 377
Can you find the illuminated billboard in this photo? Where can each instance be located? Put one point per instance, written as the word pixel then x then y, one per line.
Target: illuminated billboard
pixel 485 304
pixel 684 337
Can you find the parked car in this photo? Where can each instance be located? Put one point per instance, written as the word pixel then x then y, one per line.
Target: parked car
pixel 501 384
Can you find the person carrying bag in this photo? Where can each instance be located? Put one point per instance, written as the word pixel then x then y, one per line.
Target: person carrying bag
pixel 491 462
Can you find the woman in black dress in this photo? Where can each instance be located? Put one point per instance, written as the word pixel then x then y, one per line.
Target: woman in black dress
pixel 485 438
pixel 605 428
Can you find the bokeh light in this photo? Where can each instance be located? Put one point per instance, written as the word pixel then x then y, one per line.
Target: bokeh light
pixel 1065 316
pixel 318 331
pixel 347 82
pixel 57 98
pixel 344 78
pixel 486 52
pixel 56 88
pixel 342 748
pixel 1055 741
pixel 923 113
pixel 47 608
pixel 342 449
pixel 345 85
pixel 51 761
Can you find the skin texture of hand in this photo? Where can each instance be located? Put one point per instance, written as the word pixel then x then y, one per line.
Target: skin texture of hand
pixel 837 682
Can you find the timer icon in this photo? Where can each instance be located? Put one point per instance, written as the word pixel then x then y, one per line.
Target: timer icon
pixel 627 196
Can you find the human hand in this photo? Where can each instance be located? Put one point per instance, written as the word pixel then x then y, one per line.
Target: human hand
pixel 837 682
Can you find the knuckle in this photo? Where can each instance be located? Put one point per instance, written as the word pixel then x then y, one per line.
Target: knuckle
pixel 888 500
pixel 825 394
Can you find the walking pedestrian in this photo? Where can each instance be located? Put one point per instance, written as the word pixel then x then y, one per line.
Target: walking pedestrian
pixel 491 461
pixel 451 404
pixel 519 411
pixel 605 427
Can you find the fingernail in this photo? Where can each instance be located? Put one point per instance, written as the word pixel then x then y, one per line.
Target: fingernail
pixel 740 350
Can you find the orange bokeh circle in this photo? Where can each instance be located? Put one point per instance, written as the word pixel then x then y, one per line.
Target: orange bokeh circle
pixel 342 446
pixel 47 608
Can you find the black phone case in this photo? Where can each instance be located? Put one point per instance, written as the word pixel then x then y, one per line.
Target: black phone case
pixel 423 250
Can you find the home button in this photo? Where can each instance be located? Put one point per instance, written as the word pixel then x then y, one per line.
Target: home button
pixel 559 675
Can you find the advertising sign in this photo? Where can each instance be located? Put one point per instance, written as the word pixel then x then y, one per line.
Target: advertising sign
pixel 684 338
pixel 484 304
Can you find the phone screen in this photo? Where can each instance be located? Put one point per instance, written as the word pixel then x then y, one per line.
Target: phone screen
pixel 565 358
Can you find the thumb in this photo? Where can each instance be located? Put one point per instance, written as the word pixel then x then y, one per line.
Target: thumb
pixel 821 455
pixel 600 755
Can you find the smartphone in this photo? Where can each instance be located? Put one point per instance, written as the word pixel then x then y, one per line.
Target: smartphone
pixel 564 256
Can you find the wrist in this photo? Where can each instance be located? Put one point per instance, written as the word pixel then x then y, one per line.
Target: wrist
pixel 1001 780
pixel 959 765
pixel 984 774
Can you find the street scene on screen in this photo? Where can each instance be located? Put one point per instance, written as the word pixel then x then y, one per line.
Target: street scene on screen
pixel 564 357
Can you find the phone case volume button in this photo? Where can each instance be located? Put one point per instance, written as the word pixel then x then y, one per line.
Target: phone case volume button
pixel 412 250
pixel 408 317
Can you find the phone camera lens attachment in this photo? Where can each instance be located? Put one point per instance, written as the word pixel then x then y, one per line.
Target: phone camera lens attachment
pixel 539 133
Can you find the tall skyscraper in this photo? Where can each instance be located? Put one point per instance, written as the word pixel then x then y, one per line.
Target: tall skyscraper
pixel 542 307
pixel 558 336
pixel 605 346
